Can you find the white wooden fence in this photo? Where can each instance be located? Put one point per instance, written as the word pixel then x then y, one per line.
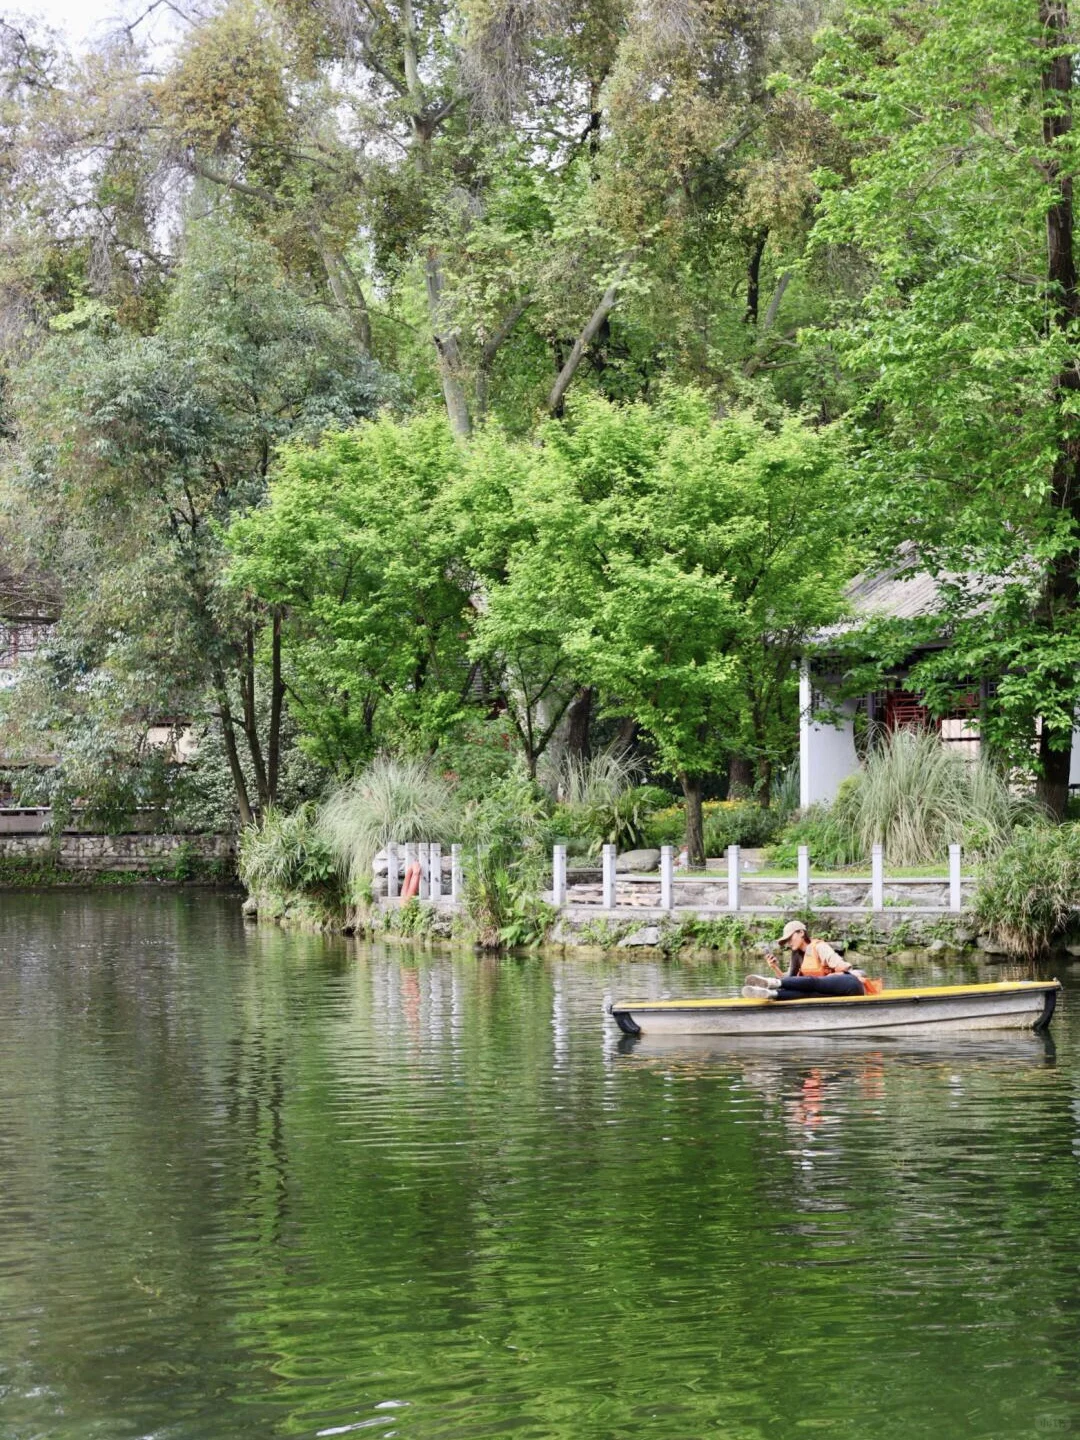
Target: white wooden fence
pixel 729 885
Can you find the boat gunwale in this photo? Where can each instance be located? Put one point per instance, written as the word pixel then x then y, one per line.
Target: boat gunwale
pixel 914 996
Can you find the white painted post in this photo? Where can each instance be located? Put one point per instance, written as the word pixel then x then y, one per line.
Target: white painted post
pixel 410 856
pixel 435 871
pixel 877 878
pixel 392 889
pixel 558 875
pixel 456 887
pixel 609 877
pixel 804 874
pixel 667 873
pixel 424 856
pixel 733 877
pixel 954 879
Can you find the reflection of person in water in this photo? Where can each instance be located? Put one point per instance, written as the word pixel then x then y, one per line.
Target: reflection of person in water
pixel 824 1095
pixel 816 969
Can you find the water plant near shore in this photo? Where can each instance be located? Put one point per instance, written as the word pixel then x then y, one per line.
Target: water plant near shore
pixel 392 800
pixel 1028 896
pixel 285 855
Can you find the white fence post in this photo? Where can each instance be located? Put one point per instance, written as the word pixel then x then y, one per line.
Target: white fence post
pixel 804 874
pixel 955 898
pixel 423 855
pixel 667 874
pixel 391 871
pixel 733 877
pixel 558 875
pixel 877 878
pixel 456 887
pixel 609 877
pixel 410 856
pixel 435 871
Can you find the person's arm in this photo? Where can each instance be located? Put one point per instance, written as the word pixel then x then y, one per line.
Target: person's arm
pixel 829 958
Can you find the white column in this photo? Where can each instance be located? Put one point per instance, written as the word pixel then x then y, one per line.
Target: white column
pixel 955 898
pixel 609 877
pixel 877 878
pixel 456 887
pixel 392 888
pixel 410 855
pixel 435 871
pixel 804 873
pixel 667 873
pixel 733 877
pixel 827 750
pixel 558 875
pixel 423 855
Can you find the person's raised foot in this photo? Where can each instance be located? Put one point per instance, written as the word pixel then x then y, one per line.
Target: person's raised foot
pixel 758 992
pixel 770 982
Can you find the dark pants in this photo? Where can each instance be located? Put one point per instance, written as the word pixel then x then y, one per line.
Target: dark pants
pixel 798 987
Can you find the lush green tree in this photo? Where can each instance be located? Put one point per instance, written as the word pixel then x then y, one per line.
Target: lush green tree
pixel 133 452
pixel 504 202
pixel 959 202
pixel 356 550
pixel 673 560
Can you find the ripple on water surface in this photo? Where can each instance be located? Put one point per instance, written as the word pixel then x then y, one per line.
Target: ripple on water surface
pixel 256 1184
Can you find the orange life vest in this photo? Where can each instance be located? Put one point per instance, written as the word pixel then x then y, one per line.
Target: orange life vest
pixel 814 964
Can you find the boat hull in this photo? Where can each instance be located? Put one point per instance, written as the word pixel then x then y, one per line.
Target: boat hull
pixel 1011 1005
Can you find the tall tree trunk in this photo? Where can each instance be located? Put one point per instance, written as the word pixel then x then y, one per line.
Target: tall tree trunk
pixel 578 717
pixel 277 697
pixel 740 782
pixel 1061 591
pixel 627 732
pixel 347 292
pixel 695 821
pixel 250 719
pixel 447 350
pixel 753 277
pixel 232 755
pixel 763 785
pixel 608 301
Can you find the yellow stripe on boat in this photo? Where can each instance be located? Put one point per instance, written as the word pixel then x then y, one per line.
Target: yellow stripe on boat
pixel 1003 1005
pixel 1001 987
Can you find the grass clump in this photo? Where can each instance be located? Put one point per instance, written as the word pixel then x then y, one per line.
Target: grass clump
pixel 600 801
pixel 287 854
pixel 391 801
pixel 506 841
pixel 1028 894
pixel 914 796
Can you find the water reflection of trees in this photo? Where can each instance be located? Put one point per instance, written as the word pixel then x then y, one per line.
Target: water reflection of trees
pixel 324 1176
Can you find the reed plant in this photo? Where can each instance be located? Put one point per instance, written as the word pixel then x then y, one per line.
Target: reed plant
pixel 286 854
pixel 1028 894
pixel 601 800
pixel 392 800
pixel 915 796
pixel 596 780
pixel 506 837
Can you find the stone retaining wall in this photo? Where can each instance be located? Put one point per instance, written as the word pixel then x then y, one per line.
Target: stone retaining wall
pixel 74 851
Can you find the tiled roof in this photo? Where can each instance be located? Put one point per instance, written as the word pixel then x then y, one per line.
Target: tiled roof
pixel 898 594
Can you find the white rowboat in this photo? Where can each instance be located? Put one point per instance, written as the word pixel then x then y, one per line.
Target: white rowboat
pixel 1008 1005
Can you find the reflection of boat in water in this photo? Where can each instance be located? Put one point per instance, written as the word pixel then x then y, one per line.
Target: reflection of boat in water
pixel 1007 1005
pixel 913 1046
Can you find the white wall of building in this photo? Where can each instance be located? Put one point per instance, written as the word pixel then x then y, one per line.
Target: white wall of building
pixel 826 752
pixel 1074 763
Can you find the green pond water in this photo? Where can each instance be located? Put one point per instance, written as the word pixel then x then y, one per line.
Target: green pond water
pixel 255 1184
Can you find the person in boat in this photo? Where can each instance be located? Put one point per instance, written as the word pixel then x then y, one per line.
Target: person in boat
pixel 815 969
